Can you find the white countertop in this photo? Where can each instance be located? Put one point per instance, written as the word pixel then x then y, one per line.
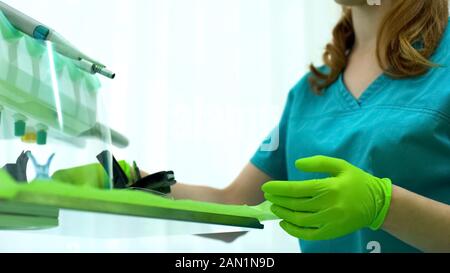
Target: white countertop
pixel 93 232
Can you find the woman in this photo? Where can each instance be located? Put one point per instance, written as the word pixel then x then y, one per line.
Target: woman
pixel 381 103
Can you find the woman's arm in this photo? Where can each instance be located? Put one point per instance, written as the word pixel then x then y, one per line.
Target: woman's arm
pixel 246 189
pixel 421 222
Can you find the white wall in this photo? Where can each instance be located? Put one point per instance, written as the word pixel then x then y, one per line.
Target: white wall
pixel 199 82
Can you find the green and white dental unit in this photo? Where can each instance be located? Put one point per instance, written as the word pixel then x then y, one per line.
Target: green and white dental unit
pixel 49 106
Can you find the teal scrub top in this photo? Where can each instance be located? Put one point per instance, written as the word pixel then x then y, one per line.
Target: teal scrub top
pixel 398 129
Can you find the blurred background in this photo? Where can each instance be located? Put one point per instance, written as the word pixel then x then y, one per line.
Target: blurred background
pixel 200 83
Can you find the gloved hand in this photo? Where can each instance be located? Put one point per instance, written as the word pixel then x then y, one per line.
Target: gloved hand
pixel 93 175
pixel 326 209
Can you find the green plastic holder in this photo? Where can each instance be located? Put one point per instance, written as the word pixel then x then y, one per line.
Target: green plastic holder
pixel 55 195
pixel 20 128
pixel 44 86
pixel 41 137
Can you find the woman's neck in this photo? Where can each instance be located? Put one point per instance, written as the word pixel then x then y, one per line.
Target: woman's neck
pixel 363 66
pixel 366 22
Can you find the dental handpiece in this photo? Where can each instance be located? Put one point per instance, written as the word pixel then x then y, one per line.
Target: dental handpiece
pixel 39 31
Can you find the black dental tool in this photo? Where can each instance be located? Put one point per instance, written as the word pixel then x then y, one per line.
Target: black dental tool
pixel 119 178
pixel 158 183
pixel 18 170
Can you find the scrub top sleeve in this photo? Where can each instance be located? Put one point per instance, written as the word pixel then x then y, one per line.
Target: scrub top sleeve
pixel 270 157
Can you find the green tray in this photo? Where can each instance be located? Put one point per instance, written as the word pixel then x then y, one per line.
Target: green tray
pixel 26 222
pixel 41 197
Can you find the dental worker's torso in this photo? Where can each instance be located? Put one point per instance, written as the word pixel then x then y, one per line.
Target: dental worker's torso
pixel 398 128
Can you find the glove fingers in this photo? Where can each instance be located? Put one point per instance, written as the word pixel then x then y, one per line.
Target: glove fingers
pixel 300 219
pixel 295 204
pixel 307 234
pixel 303 189
pixel 92 175
pixel 321 164
pixel 60 176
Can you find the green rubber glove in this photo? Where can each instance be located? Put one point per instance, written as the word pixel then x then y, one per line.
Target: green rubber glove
pixel 93 175
pixel 330 208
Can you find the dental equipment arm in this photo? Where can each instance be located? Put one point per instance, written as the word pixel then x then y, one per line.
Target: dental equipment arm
pixel 39 31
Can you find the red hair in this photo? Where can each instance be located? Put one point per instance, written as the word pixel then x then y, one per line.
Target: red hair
pixel 408 23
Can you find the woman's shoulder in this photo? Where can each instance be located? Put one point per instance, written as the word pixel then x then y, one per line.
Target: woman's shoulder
pixel 303 86
pixel 303 90
pixel 304 101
